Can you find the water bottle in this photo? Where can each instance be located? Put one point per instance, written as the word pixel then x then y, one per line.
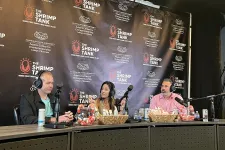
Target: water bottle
pixel 142 113
pixel 205 115
pixel 146 114
pixel 41 117
pixel 136 115
pixel 197 116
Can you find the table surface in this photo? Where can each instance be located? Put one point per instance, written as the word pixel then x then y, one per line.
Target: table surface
pixel 19 131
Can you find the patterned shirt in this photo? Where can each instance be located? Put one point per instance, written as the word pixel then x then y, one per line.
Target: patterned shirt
pixel 168 104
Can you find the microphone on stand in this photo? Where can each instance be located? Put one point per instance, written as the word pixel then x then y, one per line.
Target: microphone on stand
pixel 180 101
pixel 56 125
pixel 130 88
pixel 57 101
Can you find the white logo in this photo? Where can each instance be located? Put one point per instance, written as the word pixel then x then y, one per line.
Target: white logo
pixel 122 49
pixel 83 66
pixel 151 74
pixel 179 22
pixel 178 58
pixel 41 35
pixel 2 35
pixel 85 19
pixel 151 34
pixel 122 7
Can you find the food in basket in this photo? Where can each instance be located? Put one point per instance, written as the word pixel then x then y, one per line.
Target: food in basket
pixel 159 115
pixel 85 115
pixel 158 111
pixel 86 121
pixel 109 120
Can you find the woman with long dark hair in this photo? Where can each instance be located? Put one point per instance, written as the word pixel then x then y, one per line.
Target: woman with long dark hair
pixel 106 101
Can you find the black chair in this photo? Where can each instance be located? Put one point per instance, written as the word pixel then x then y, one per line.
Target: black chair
pixel 16 110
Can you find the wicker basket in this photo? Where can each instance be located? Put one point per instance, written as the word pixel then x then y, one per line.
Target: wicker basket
pixel 162 118
pixel 107 120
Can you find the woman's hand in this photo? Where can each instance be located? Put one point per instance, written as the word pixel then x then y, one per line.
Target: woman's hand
pixel 122 104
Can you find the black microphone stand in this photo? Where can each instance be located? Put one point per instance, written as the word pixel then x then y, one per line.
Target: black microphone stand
pixel 57 105
pixel 126 106
pixel 212 107
pixel 130 118
pixel 56 125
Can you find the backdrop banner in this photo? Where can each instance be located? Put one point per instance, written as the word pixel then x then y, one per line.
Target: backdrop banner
pixel 87 42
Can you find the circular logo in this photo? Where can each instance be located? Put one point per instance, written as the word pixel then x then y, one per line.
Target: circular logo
pixel 29 13
pixel 25 65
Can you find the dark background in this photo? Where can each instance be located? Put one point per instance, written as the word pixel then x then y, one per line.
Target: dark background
pixel 205 65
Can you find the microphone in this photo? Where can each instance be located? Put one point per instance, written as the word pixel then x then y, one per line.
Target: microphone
pixel 130 88
pixel 57 109
pixel 181 102
pixel 56 125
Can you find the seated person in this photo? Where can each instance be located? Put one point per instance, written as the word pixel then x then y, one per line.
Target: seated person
pixel 166 99
pixel 106 100
pixel 41 98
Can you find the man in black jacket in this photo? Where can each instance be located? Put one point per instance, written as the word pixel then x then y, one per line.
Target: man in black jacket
pixel 41 99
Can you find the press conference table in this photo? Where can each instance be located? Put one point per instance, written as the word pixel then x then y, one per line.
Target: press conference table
pixel 134 136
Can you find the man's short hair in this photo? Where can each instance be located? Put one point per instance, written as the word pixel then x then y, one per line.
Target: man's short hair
pixel 168 80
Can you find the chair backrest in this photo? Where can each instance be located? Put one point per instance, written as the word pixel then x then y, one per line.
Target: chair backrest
pixel 16 110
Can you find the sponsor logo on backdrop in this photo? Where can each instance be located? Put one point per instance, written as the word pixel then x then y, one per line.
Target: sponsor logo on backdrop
pixel 151 80
pixel 121 49
pixel 85 19
pixel 178 64
pixel 151 40
pixel 83 28
pixel 119 34
pixel 123 7
pixel 151 74
pixel 178 26
pixel 74 95
pixel 121 58
pixel 151 60
pixel 36 16
pixel 2 35
pixel 179 58
pixel 49 1
pixel 41 35
pixel 87 5
pixel 120 77
pixel 178 83
pixel 120 14
pixel 30 68
pixel 179 22
pixel 152 21
pixel 83 66
pixel 79 97
pixel 151 34
pixel 84 50
pixel 177 46
pixel 82 73
pixel 39 44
